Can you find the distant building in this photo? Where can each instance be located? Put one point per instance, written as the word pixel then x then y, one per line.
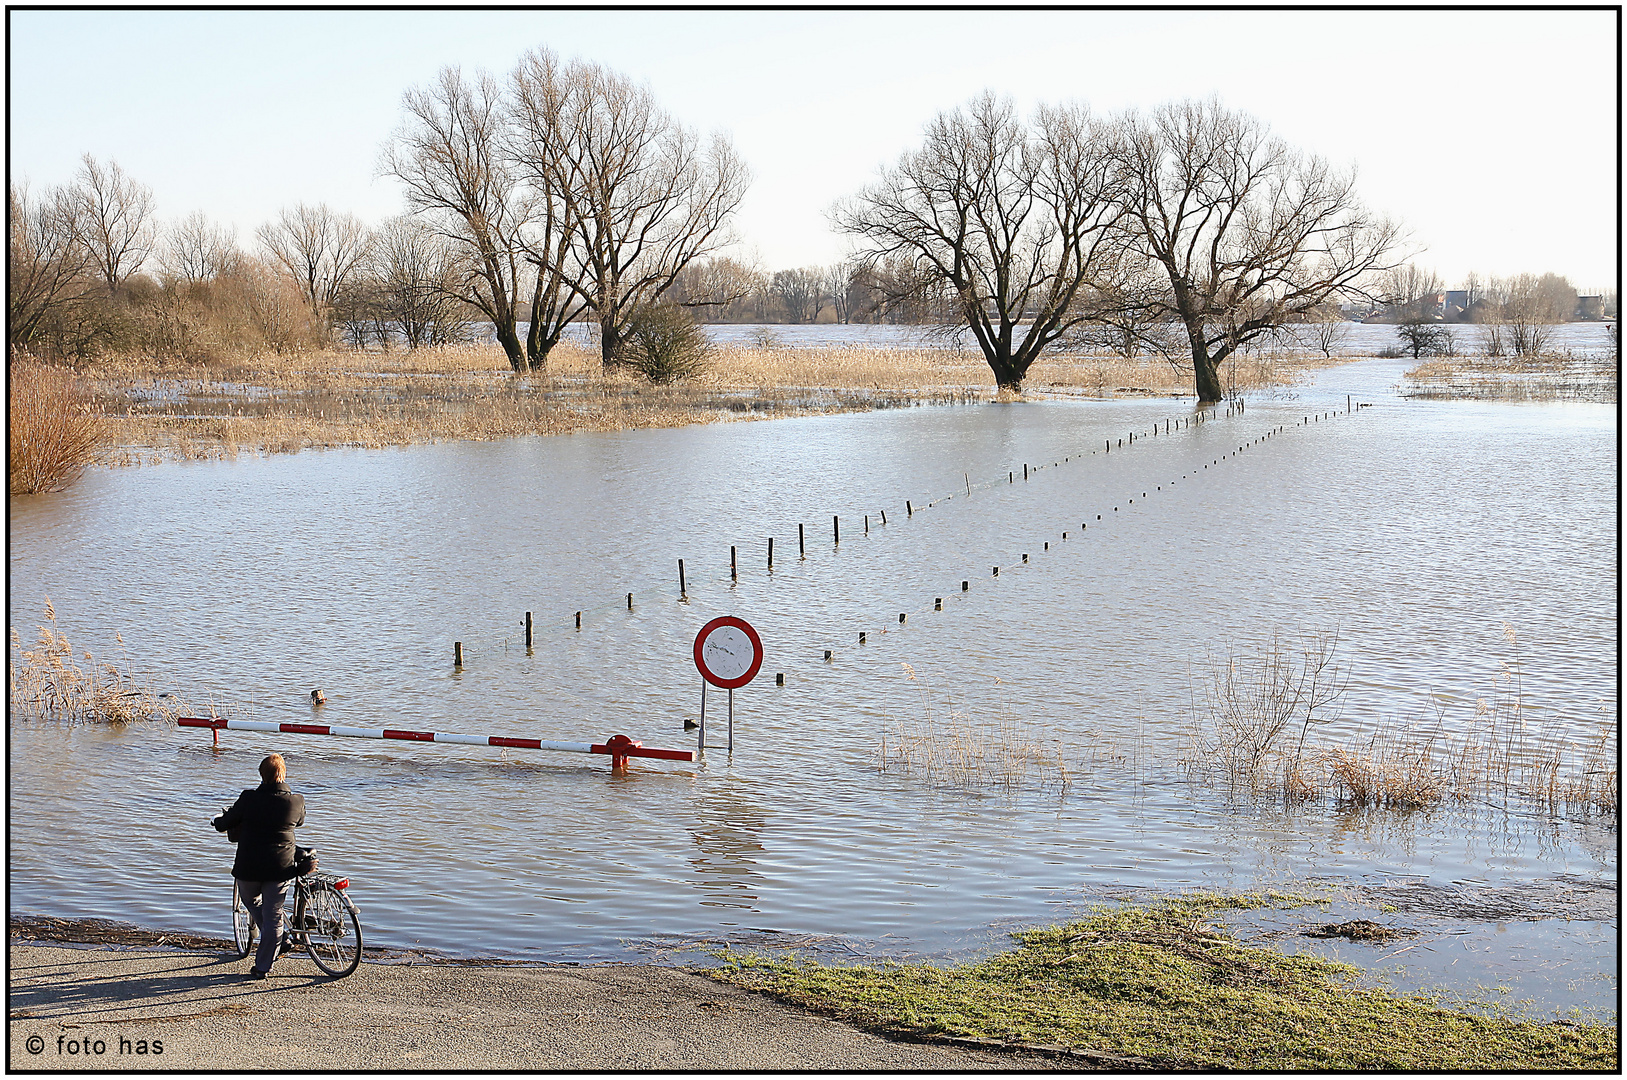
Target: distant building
pixel 1456 308
pixel 1590 307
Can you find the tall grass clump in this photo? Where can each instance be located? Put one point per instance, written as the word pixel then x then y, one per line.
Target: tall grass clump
pixel 948 744
pixel 52 682
pixel 53 431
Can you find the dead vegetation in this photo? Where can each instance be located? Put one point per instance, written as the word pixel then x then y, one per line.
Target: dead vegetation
pixel 285 402
pixel 1550 376
pixel 946 743
pixel 1255 711
pixel 51 681
pixel 53 430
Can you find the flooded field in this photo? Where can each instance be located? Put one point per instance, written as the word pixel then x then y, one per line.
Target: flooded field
pixel 1448 543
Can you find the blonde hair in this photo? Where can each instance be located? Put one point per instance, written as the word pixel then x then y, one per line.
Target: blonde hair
pixel 273 770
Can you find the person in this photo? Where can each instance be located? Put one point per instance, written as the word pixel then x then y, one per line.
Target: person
pixel 262 822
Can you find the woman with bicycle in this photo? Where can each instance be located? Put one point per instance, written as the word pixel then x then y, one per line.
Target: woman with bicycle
pixel 262 822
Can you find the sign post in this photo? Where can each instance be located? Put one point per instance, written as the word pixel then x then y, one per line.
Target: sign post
pixel 728 654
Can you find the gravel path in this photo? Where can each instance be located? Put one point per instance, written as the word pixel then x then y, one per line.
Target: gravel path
pixel 104 1008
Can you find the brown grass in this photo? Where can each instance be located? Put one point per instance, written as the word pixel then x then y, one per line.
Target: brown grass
pixel 1547 377
pixel 53 431
pixel 1495 754
pixel 281 403
pixel 48 682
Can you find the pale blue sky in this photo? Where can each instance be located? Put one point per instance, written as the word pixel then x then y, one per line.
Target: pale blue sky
pixel 1492 134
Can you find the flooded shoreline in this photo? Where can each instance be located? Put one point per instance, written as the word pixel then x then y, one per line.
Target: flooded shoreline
pixel 246 584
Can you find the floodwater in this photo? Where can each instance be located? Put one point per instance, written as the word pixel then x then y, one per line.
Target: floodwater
pixel 1416 529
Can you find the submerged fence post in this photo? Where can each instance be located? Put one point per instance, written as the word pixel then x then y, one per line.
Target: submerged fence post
pixel 629 601
pixel 682 590
pixel 908 509
pixel 802 546
pixel 528 629
pixel 734 567
pixel 771 553
pixel 836 529
pixel 579 620
pixel 457 654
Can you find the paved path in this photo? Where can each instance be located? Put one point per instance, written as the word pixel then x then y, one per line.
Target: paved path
pixel 196 1010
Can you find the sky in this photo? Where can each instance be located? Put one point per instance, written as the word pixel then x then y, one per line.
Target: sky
pixel 1491 135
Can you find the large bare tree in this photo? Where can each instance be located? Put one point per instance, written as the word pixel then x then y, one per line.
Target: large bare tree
pixel 1014 217
pixel 1248 233
pixel 48 260
pixel 116 217
pixel 642 195
pixel 320 247
pixel 453 156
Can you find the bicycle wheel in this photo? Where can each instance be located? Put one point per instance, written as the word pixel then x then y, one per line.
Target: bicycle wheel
pixel 243 930
pixel 333 934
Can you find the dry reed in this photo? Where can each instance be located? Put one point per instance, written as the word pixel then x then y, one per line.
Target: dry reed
pixel 947 744
pixel 1545 377
pixel 53 431
pixel 48 682
pixel 285 402
pixel 1244 733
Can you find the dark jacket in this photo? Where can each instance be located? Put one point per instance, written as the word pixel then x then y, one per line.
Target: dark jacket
pixel 264 819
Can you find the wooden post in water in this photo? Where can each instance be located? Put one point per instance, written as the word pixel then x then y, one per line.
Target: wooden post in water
pixel 771 553
pixel 734 566
pixel 836 530
pixel 908 509
pixel 965 585
pixel 937 605
pixel 884 517
pixel 683 590
pixel 1025 470
pixel 867 524
pixel 579 620
pixel 802 546
pixel 629 601
pixel 457 654
pixel 528 629
pixel 861 637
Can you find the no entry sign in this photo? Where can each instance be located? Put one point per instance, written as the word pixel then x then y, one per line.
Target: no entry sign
pixel 728 652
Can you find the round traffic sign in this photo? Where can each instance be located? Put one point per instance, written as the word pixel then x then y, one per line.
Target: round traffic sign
pixel 728 652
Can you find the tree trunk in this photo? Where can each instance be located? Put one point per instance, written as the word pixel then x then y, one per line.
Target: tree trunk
pixel 609 340
pixel 509 339
pixel 1205 368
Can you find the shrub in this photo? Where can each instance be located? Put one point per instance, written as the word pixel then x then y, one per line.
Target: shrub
pixel 53 430
pixel 664 345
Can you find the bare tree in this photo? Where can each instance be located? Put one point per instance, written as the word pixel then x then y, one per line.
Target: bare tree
pixel 1531 307
pixel 1248 233
pixel 839 287
pixel 802 292
pixel 48 261
pixel 641 194
pixel 116 216
pixel 1013 217
pixel 452 156
pixel 319 248
pixel 1414 295
pixel 711 287
pixel 196 251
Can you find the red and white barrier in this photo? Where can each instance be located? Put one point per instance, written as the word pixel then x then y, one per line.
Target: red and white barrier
pixel 619 747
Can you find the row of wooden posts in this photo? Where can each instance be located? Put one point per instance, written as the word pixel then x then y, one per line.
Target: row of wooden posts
pixel 909 509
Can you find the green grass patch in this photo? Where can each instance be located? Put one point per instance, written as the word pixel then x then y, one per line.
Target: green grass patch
pixel 1168 984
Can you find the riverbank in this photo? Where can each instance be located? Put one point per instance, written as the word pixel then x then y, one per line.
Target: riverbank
pixel 1158 987
pixel 284 403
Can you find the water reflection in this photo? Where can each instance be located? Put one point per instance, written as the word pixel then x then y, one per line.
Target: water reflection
pixel 727 835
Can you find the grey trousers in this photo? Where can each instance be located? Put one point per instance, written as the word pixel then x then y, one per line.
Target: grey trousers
pixel 264 900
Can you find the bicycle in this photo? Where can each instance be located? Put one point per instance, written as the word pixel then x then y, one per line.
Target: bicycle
pixel 321 918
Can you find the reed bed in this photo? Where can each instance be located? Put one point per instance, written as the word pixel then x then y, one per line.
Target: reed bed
pixel 1546 377
pixel 53 430
pixel 1253 722
pixel 285 402
pixel 52 681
